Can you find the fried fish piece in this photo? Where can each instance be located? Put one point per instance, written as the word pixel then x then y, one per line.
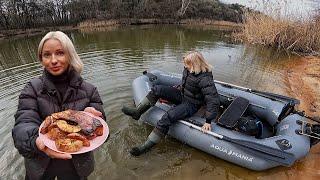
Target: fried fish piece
pixel 56 133
pixel 78 136
pixel 62 115
pixel 87 123
pixel 68 145
pixel 64 126
pixel 47 122
pixel 99 131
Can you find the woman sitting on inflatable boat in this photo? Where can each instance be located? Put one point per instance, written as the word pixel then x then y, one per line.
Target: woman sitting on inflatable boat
pixel 197 89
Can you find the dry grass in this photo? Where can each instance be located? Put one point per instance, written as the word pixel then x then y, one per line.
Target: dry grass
pixel 302 37
pixel 97 23
pixel 209 22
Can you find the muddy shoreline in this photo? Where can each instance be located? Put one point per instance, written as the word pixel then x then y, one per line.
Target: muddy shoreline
pixel 303 82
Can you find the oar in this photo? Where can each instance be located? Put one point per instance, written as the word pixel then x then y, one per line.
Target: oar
pixel 285 158
pixel 265 94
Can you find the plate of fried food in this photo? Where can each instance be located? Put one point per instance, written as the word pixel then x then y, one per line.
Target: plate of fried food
pixel 73 132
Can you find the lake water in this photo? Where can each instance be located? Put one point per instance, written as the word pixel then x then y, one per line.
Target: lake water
pixel 113 58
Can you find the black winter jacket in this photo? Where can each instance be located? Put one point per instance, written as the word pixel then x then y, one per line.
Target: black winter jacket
pixel 200 89
pixel 39 99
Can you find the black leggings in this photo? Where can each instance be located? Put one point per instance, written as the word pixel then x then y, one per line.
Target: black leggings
pixel 183 108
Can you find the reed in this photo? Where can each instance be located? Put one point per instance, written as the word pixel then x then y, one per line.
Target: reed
pixel 97 23
pixel 299 36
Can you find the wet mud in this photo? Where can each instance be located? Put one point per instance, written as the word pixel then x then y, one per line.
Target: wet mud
pixel 303 82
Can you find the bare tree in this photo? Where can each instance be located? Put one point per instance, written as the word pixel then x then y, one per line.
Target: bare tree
pixel 23 14
pixel 4 21
pixel 184 6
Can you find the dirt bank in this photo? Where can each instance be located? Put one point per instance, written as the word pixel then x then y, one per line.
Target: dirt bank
pixel 303 82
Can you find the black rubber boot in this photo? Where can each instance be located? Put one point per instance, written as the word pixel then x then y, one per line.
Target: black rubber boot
pixel 152 140
pixel 145 104
pixel 131 111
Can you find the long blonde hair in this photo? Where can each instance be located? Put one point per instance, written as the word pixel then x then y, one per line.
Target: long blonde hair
pixel 195 62
pixel 67 45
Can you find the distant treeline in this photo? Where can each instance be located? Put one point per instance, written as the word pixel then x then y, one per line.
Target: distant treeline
pixel 25 14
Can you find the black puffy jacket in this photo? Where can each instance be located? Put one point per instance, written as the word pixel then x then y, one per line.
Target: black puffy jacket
pixel 39 99
pixel 200 89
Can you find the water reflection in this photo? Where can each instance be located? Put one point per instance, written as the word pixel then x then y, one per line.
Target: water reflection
pixel 113 58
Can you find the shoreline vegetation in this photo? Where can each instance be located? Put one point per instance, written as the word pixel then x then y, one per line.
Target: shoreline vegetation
pixel 104 23
pixel 300 37
pixel 30 17
pixel 97 24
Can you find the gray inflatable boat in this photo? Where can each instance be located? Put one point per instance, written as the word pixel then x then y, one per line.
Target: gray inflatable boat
pixel 281 146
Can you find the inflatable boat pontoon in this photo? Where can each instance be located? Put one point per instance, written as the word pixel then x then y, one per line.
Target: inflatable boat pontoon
pixel 280 147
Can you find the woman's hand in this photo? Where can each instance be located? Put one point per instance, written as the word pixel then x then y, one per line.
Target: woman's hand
pixel 49 152
pixel 93 111
pixel 206 127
